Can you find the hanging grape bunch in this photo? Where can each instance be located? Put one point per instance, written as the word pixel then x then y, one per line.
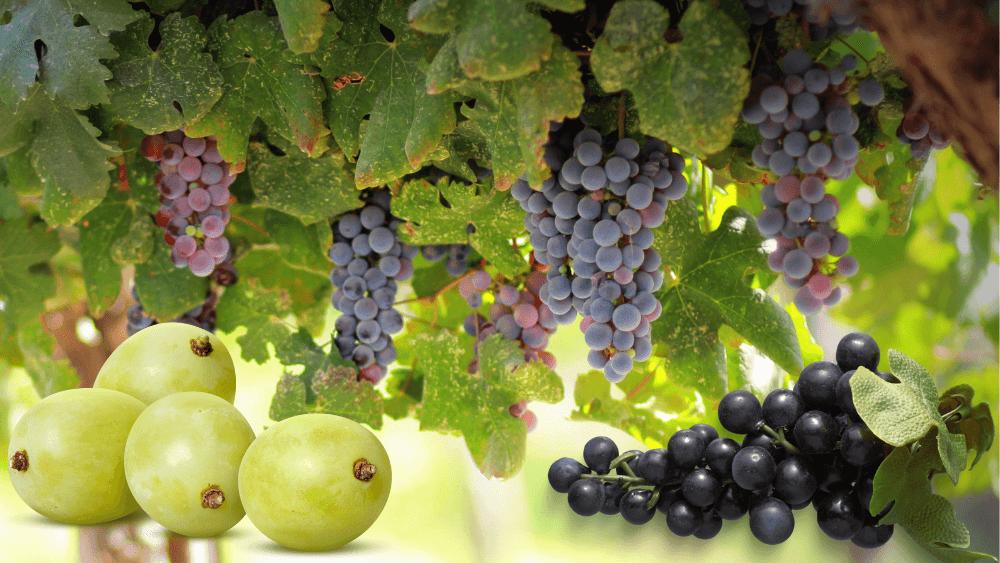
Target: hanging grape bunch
pixel 454 256
pixel 591 223
pixel 802 446
pixel 916 132
pixel 368 260
pixel 194 185
pixel 516 314
pixel 808 128
pixel 826 17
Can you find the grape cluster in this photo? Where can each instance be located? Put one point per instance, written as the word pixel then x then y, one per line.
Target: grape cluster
pixel 194 185
pixel 826 16
pixel 592 225
pixel 454 256
pixel 516 314
pixel 369 259
pixel 202 316
pixel 802 446
pixel 917 132
pixel 808 132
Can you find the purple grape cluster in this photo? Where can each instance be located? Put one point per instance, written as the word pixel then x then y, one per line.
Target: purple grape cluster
pixel 369 259
pixel 916 132
pixel 826 16
pixel 808 132
pixel 454 256
pixel 802 446
pixel 516 314
pixel 592 226
pixel 194 185
pixel 202 316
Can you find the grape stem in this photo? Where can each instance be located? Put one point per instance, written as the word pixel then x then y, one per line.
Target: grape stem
pixel 780 437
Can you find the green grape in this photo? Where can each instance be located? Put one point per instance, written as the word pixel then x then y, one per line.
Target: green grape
pixel 66 455
pixel 182 462
pixel 315 481
pixel 169 358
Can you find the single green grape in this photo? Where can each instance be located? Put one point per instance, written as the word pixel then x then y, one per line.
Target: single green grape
pixel 182 462
pixel 66 455
pixel 169 358
pixel 315 481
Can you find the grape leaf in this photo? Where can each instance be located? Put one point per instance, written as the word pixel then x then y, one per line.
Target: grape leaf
pixel 904 412
pixel 709 290
pixel 512 118
pixel 689 93
pixel 935 523
pixel 25 281
pixel 259 83
pixel 100 229
pixel 48 375
pixel 165 290
pixel 476 405
pixel 336 390
pixel 323 187
pixel 979 430
pixel 304 22
pixel 66 151
pixel 492 39
pixel 160 91
pixel 260 310
pixel 300 246
pixel 15 131
pixel 308 292
pixel 137 244
pixel 901 479
pixel 494 215
pixel 69 70
pixel 367 74
pixel 9 206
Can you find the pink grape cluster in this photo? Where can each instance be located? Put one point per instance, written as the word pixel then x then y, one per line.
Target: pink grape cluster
pixel 516 314
pixel 194 185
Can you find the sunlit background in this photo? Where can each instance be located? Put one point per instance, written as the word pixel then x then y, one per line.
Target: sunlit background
pixel 442 509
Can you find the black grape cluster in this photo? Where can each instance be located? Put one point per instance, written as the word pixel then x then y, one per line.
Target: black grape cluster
pixel 808 129
pixel 516 314
pixel 454 256
pixel 194 198
pixel 202 316
pixel 592 225
pixel 826 16
pixel 802 446
pixel 369 259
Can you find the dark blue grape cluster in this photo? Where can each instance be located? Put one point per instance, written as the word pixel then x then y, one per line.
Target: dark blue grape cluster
pixel 808 129
pixel 369 259
pixel 454 256
pixel 202 316
pixel 591 224
pixel 828 459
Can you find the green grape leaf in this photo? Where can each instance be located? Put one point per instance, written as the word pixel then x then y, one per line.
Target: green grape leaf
pixel 25 278
pixel 48 375
pixel 979 430
pixel 63 208
pixel 950 554
pixel 301 246
pixel 935 523
pixel 368 75
pixel 512 118
pixel 688 93
pixel 900 413
pixel 65 150
pixel 708 291
pixel 69 70
pixel 260 310
pixel 99 231
pixel 901 479
pixel 260 83
pixel 9 206
pixel 308 292
pixel 335 390
pixel 323 187
pixel 15 130
pixel 165 290
pixel 494 216
pixel 476 405
pixel 492 39
pixel 304 22
pixel 162 90
pixel 136 246
pixel 405 388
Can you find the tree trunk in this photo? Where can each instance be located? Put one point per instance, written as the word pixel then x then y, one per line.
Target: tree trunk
pixel 948 51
